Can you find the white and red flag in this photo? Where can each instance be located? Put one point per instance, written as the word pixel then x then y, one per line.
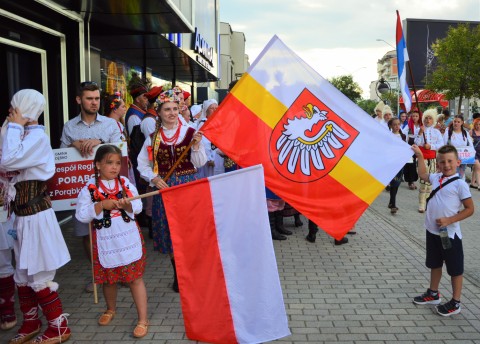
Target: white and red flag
pixel 227 273
pixel 321 153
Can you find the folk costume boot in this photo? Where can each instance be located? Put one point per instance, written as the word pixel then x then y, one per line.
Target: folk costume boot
pixel 312 232
pixel 175 280
pixel 8 319
pixel 298 221
pixel 31 324
pixel 273 229
pixel 422 198
pixel 279 223
pixel 57 330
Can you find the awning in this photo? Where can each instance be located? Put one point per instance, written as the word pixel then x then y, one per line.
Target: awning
pixel 142 16
pixel 427 96
pixel 131 31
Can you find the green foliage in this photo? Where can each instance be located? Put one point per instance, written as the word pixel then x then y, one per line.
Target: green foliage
pixel 391 99
pixel 368 105
pixel 346 85
pixel 456 73
pixel 135 79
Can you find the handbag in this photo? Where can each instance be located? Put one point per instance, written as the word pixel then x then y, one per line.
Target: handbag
pixel 427 153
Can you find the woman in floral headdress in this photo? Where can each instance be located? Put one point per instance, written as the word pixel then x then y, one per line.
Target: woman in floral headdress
pixel 159 152
pixel 115 108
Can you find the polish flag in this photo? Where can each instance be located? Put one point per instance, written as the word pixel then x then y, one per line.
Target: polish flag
pixel 227 273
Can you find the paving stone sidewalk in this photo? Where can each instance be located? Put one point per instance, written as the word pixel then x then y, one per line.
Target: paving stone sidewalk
pixel 355 293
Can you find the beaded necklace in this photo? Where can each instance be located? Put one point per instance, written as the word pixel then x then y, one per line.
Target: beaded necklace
pixel 174 138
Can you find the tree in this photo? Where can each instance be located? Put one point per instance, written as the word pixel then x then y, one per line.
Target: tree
pixel 367 105
pixel 457 64
pixel 346 85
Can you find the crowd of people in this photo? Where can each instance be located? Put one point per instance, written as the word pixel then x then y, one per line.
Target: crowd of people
pixel 444 195
pixel 166 148
pixel 430 131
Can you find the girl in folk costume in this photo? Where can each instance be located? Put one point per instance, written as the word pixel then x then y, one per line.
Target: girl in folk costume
pixel 403 122
pixel 379 112
pixel 394 126
pixel 208 108
pixel 115 108
pixel 39 246
pixel 159 153
pixel 475 135
pixel 118 248
pixel 457 136
pixel 7 284
pixel 428 140
pixel 387 115
pixel 410 170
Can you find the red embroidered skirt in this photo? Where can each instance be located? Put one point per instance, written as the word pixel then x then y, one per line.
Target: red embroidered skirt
pixel 126 274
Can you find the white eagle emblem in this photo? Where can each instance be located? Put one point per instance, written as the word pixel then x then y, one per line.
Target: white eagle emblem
pixel 296 146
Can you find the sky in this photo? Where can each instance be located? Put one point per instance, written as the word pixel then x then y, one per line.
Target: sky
pixel 336 37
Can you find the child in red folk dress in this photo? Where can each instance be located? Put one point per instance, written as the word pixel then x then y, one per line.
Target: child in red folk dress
pixel 118 246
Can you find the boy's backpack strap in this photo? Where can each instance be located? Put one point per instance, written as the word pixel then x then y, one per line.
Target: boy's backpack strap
pixel 439 187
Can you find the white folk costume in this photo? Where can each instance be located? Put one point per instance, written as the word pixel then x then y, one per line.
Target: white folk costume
pixel 7 232
pixel 118 251
pixel 159 153
pixel 433 137
pixel 7 283
pixel 458 140
pixel 208 169
pixel 39 246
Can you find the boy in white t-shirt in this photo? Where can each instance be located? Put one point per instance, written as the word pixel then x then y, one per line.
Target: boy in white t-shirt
pixel 444 209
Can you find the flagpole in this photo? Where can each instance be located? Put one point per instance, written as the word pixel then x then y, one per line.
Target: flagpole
pixel 169 173
pixel 95 294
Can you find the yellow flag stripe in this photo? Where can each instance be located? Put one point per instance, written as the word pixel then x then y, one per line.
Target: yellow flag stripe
pixel 258 100
pixel 357 180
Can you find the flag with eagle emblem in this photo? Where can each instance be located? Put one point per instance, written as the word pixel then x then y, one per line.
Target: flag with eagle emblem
pixel 321 153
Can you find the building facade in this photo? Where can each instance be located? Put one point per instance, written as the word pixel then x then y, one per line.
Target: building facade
pixel 386 69
pixel 53 45
pixel 233 60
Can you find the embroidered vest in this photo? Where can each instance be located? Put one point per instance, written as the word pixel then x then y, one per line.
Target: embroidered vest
pixel 135 111
pixel 31 197
pixel 165 155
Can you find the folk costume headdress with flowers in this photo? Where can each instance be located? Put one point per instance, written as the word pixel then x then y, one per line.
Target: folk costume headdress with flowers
pixel 114 101
pixel 160 138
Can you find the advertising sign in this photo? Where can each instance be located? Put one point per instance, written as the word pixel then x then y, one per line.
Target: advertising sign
pixel 72 172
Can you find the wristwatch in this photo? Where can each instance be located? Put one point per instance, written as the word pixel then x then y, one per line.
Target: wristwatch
pixel 101 141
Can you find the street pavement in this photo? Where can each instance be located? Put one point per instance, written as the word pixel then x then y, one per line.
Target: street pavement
pixel 360 292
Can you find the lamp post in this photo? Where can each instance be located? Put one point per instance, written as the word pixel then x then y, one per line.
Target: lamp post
pixel 382 88
pixel 384 41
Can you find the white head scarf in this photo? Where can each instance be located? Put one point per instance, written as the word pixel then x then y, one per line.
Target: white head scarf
pixel 206 105
pixel 30 103
pixel 195 109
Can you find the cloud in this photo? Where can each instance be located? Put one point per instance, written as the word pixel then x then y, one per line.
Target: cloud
pixel 329 33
